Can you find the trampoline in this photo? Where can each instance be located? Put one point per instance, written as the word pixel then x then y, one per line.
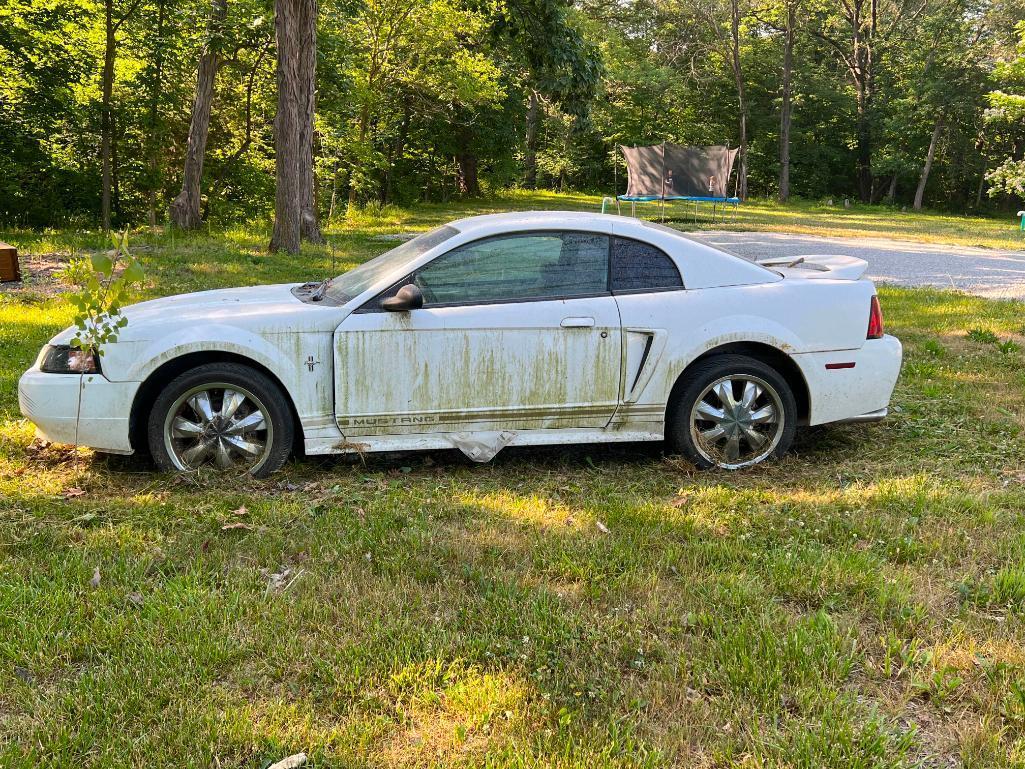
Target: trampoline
pixel 661 173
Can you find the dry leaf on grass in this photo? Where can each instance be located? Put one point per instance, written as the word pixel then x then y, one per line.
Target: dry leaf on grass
pixel 235 526
pixel 73 492
pixel 282 579
pixel 680 499
pixel 241 511
pixel 292 762
pixel 95 581
pixel 602 527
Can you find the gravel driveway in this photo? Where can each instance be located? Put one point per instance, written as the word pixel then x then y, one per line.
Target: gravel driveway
pixel 982 271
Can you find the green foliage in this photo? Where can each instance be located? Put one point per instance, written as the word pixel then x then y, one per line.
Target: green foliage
pixel 103 282
pixel 983 335
pixel 412 93
pixel 1005 120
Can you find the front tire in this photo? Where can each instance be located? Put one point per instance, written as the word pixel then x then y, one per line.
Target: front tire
pixel 733 412
pixel 225 415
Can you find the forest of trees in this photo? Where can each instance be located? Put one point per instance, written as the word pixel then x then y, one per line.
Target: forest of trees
pixel 123 112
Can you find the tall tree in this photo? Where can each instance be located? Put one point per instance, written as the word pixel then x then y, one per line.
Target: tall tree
pixel 185 208
pixel 782 19
pixel 112 23
pixel 295 216
pixel 725 19
pixel 930 155
pixel 556 63
pixel 857 31
pixel 154 78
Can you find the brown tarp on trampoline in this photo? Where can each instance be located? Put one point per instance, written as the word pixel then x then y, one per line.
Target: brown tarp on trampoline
pixel 671 171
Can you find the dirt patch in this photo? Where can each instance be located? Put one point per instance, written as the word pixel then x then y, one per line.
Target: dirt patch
pixel 38 275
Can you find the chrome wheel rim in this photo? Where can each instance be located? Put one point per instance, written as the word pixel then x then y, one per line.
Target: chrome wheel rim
pixel 219 424
pixel 737 421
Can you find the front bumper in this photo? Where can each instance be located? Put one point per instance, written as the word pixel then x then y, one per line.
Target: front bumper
pixel 85 410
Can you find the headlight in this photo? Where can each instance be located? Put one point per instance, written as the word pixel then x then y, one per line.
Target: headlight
pixel 65 359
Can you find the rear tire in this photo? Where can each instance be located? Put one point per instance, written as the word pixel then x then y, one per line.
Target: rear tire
pixel 225 415
pixel 732 412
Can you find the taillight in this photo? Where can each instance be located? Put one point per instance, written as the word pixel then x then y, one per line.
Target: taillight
pixel 875 320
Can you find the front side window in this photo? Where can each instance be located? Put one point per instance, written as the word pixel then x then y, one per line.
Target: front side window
pixel 519 267
pixel 638 266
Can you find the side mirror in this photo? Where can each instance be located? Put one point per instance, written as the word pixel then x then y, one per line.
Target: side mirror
pixel 409 297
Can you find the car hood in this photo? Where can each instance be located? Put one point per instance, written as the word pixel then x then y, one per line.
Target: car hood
pixel 225 303
pixel 260 309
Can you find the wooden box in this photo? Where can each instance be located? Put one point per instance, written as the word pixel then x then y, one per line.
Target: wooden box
pixel 8 263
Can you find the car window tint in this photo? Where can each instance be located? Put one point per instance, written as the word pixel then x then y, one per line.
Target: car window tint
pixel 537 265
pixel 638 266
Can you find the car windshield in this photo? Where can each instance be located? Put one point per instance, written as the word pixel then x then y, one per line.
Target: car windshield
pixel 359 279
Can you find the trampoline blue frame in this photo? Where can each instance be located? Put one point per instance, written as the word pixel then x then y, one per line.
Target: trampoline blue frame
pixel 694 198
pixel 633 200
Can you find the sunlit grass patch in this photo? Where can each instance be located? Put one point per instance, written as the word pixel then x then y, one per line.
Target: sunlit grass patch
pixel 858 603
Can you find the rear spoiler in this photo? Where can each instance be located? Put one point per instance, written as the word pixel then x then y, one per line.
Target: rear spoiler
pixel 813 266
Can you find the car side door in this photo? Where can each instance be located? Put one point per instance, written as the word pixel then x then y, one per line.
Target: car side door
pixel 517 331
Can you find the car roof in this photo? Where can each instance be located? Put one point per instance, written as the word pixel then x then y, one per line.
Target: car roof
pixel 488 224
pixel 515 220
pixel 701 264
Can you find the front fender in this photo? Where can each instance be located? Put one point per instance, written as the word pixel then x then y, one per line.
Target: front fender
pixel 286 355
pixel 136 361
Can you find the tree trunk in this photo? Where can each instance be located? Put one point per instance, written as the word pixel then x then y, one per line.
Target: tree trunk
pixel 106 116
pixel 863 130
pixel 785 107
pixel 364 127
pixel 154 133
pixel 295 24
pixel 309 224
pixel 929 156
pixel 395 154
pixel 530 155
pixel 115 171
pixel 467 183
pixel 334 192
pixel 891 193
pixel 185 208
pixel 738 76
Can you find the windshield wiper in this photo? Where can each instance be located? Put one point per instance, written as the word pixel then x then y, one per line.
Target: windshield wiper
pixel 320 290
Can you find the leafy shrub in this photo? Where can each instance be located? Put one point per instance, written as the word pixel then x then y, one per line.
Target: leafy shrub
pixel 983 336
pixel 102 289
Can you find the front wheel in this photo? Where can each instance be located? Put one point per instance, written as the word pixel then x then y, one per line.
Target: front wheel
pixel 733 412
pixel 226 415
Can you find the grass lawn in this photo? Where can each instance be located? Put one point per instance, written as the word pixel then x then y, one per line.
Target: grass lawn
pixel 859 604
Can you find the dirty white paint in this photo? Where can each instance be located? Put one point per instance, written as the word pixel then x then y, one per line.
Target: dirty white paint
pixel 481 377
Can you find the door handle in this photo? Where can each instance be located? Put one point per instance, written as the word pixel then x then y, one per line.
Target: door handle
pixel 578 322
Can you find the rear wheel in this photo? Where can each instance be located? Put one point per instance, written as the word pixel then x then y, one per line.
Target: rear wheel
pixel 224 415
pixel 733 412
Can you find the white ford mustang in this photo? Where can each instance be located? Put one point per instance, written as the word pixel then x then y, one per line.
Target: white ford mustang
pixel 512 329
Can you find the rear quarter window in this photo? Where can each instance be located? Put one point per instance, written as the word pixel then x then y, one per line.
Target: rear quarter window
pixel 638 267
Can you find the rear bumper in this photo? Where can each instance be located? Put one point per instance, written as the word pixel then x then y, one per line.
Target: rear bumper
pixel 852 385
pixel 100 420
